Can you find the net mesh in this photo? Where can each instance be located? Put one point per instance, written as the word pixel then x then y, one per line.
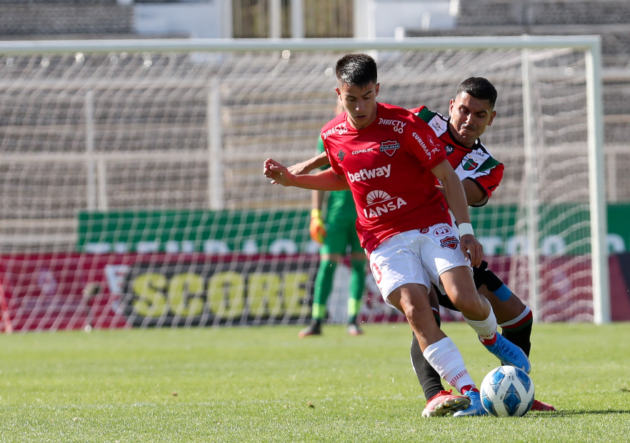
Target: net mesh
pixel 133 190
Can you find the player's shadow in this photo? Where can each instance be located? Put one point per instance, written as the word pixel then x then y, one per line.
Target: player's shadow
pixel 570 413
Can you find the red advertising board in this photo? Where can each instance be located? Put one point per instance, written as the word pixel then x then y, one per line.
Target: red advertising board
pixel 71 291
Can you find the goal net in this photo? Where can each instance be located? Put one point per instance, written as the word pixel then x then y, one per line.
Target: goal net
pixel 133 195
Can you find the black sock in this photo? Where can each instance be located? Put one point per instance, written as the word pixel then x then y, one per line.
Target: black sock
pixel 518 333
pixel 520 336
pixel 316 324
pixel 429 379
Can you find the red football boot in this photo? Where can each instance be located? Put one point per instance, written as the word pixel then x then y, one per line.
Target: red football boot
pixel 444 403
pixel 354 330
pixel 540 406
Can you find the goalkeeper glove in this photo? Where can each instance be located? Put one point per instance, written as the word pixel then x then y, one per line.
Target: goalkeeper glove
pixel 317 228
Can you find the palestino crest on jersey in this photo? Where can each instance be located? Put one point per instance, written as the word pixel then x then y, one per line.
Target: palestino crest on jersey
pixel 380 202
pixel 470 164
pixel 449 242
pixel 341 155
pixel 390 147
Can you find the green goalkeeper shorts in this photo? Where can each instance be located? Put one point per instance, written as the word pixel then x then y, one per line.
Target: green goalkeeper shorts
pixel 341 233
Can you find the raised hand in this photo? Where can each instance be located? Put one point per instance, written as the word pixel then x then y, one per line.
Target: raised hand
pixel 278 173
pixel 297 169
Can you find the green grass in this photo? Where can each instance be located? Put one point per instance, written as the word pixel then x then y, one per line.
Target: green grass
pixel 258 384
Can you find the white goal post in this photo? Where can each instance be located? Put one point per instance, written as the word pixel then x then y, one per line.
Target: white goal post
pixel 529 52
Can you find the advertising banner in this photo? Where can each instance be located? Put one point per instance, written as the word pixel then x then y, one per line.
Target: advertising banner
pixel 75 291
pixel 563 228
pixel 70 291
pixel 177 291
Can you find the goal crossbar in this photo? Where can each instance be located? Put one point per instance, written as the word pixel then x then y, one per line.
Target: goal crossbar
pixel 590 43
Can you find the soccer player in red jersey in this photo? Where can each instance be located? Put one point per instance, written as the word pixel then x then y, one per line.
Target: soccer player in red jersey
pixel 470 113
pixel 389 159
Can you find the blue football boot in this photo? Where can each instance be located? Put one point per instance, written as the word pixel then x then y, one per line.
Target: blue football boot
pixel 475 408
pixel 509 354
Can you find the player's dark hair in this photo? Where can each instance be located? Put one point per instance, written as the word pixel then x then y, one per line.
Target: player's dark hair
pixel 356 69
pixel 480 88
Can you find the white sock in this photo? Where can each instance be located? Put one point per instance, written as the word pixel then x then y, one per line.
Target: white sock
pixel 486 329
pixel 446 359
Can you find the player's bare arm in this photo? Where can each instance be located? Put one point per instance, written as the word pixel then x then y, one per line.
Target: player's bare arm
pixel 456 199
pixel 323 181
pixel 474 194
pixel 309 165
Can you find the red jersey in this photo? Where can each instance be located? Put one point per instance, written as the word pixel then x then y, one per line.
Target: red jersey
pixel 387 166
pixel 474 163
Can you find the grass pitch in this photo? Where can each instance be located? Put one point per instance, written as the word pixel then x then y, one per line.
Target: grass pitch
pixel 265 384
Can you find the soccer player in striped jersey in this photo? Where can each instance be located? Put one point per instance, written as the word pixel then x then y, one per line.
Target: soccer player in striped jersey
pixel 389 158
pixel 470 113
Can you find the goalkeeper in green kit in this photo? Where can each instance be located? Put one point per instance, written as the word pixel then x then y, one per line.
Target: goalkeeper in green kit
pixel 336 236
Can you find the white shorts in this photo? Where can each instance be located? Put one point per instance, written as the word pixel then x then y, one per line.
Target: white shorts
pixel 416 257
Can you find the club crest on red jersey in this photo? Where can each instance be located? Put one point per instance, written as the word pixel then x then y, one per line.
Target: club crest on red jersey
pixel 390 147
pixel 341 155
pixel 449 242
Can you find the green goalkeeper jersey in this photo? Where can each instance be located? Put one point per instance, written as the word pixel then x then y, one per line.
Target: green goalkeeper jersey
pixel 340 203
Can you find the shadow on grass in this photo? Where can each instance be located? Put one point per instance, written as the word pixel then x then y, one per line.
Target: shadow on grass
pixel 570 413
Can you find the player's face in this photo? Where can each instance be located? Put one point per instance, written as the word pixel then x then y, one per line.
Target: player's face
pixel 469 118
pixel 359 102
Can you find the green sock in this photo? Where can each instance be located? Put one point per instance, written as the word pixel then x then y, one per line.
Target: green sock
pixel 323 287
pixel 357 286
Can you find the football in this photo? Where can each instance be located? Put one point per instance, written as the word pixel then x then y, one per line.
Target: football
pixel 507 392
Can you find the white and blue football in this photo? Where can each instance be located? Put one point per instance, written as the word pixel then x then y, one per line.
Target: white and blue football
pixel 507 392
